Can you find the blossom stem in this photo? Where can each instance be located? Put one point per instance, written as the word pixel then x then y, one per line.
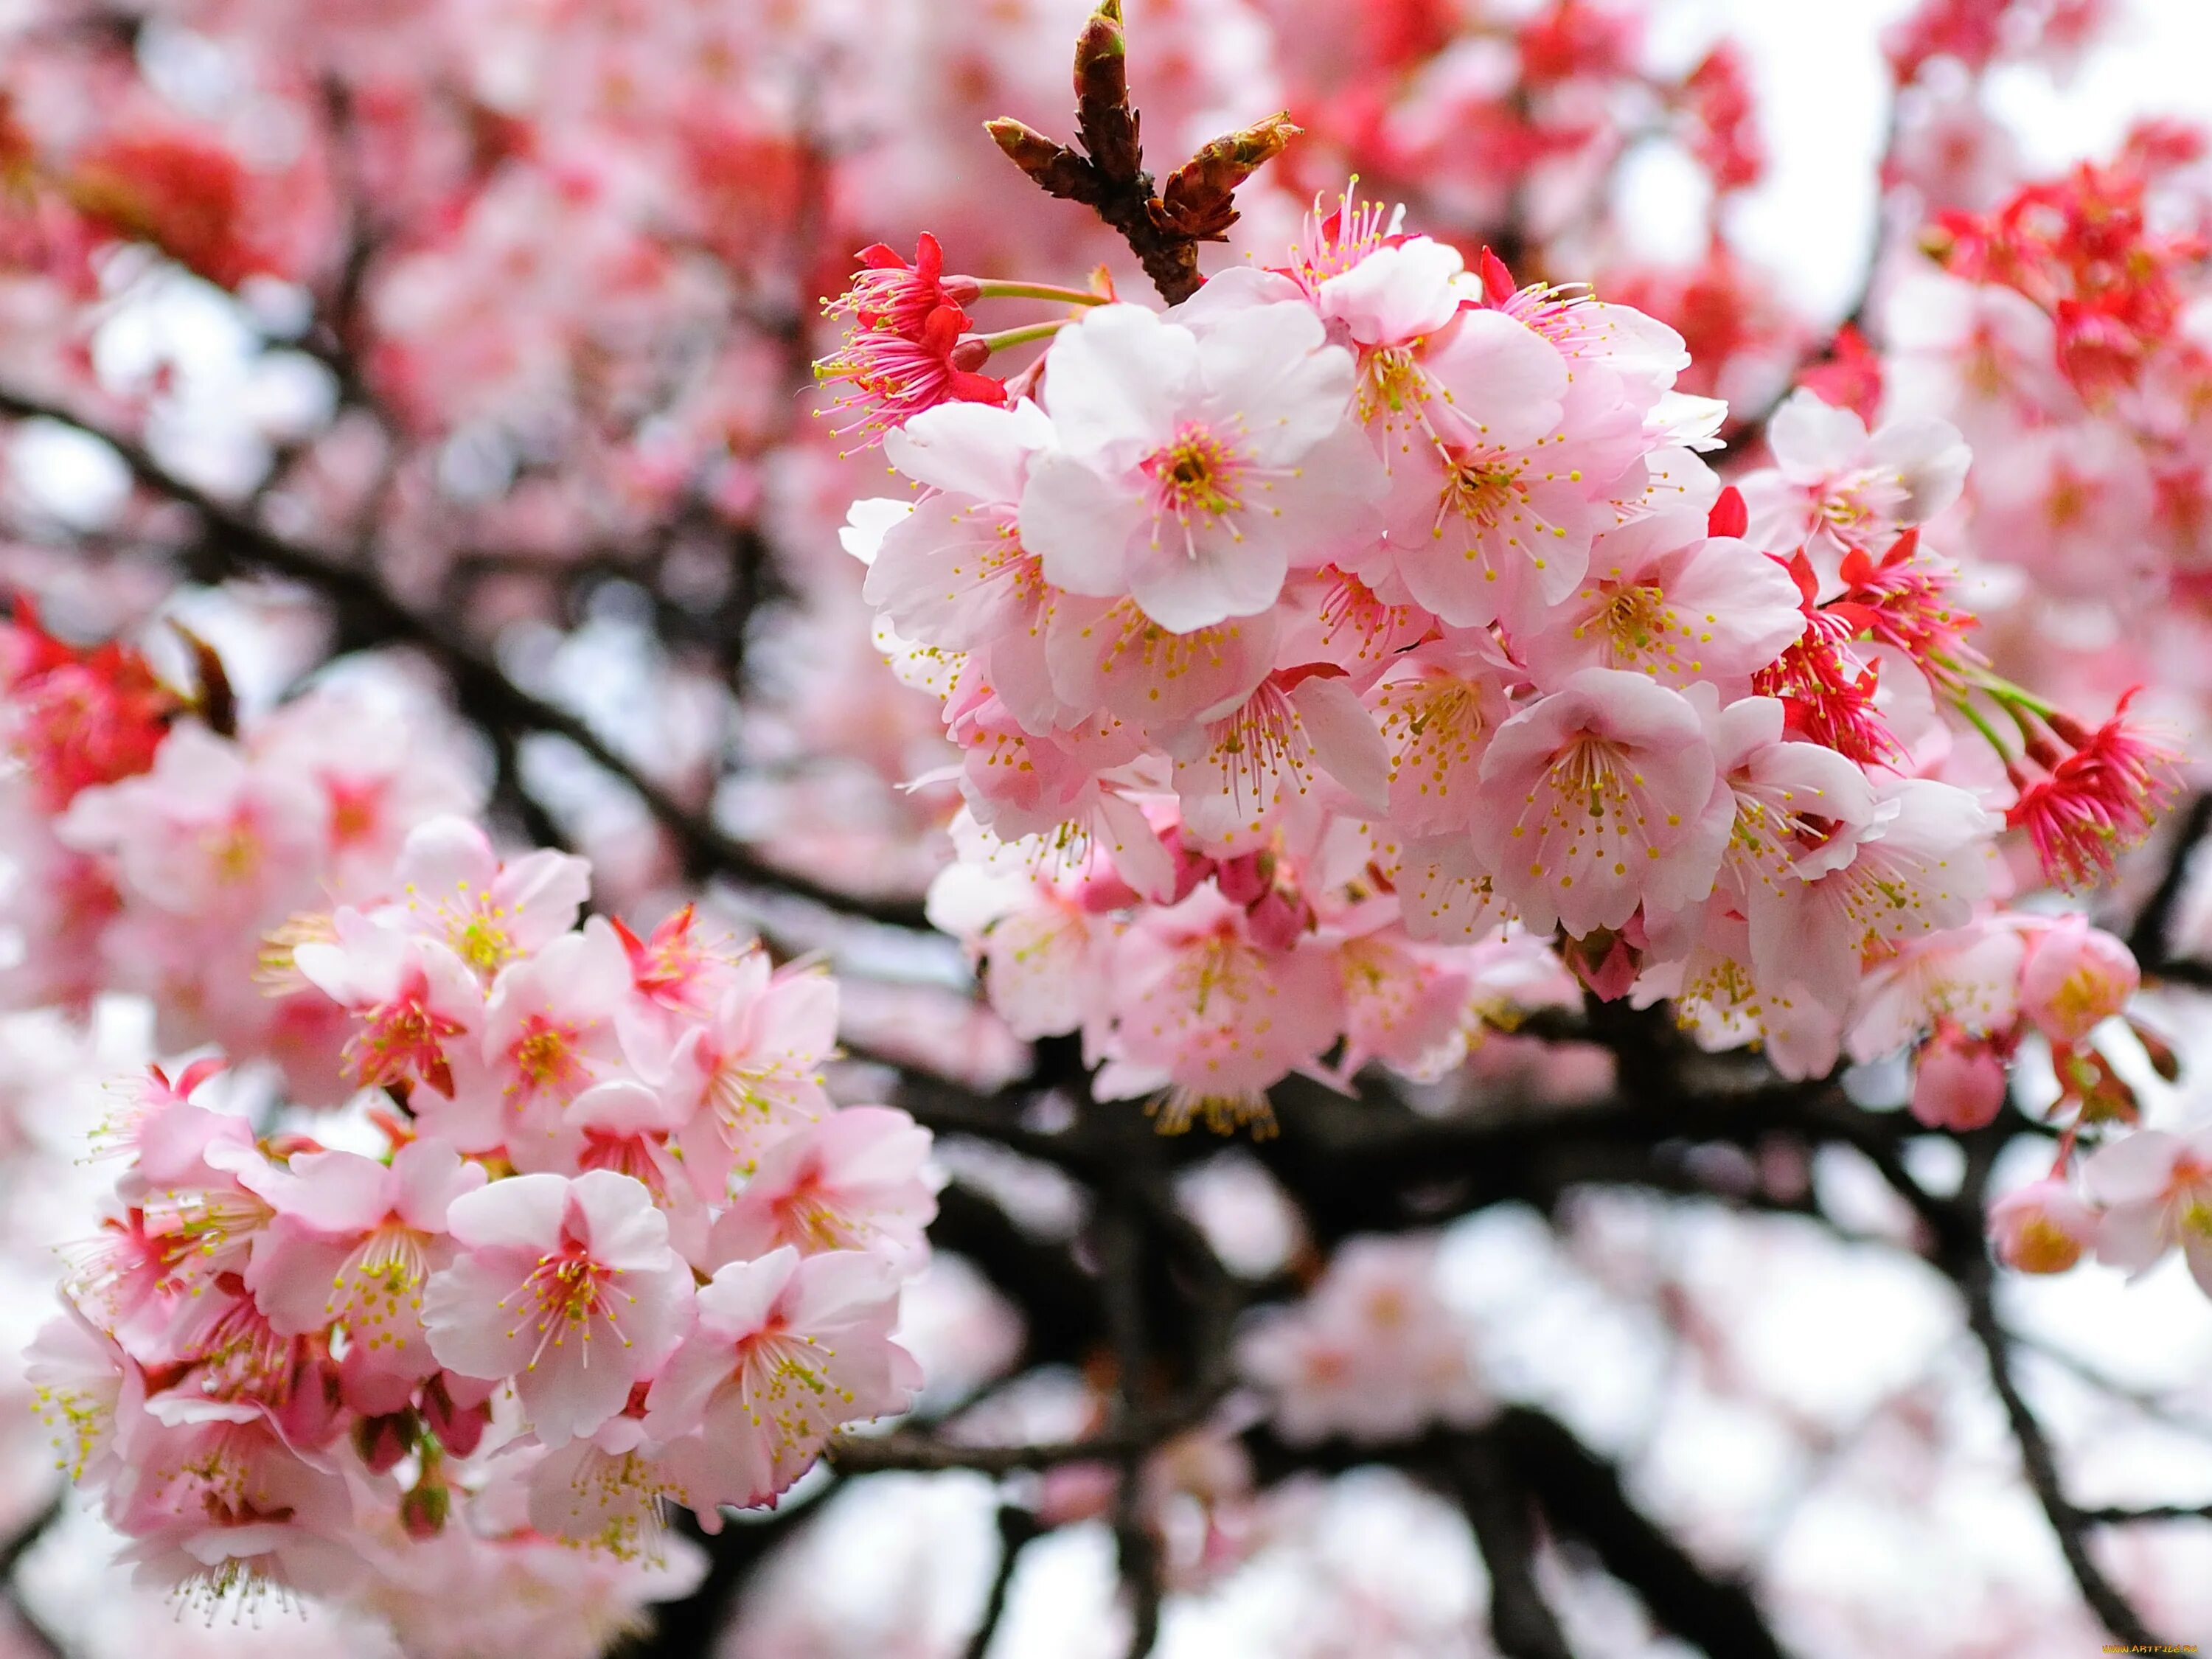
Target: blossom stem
pixel 1014 337
pixel 1989 732
pixel 2014 697
pixel 995 289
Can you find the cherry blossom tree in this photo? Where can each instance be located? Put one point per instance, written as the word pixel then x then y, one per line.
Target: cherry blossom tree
pixel 669 886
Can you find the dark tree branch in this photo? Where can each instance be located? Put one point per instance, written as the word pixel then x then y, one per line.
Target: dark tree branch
pixel 2041 1467
pixel 1582 1494
pixel 1017 1527
pixel 1521 1623
pixel 368 614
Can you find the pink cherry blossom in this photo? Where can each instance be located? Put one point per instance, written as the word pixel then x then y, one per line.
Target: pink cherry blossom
pixel 1177 475
pixel 453 888
pixel 854 1180
pixel 2074 977
pixel 1837 487
pixel 567 1287
pixel 1958 1080
pixel 550 1026
pixel 1599 798
pixel 752 1072
pixel 2045 1227
pixel 353 1243
pixel 1207 1015
pixel 787 1350
pixel 1372 1354
pixel 1663 599
pixel 2152 1190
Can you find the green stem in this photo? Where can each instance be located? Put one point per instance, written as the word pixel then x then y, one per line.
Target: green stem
pixel 1988 732
pixel 2014 697
pixel 1014 337
pixel 993 290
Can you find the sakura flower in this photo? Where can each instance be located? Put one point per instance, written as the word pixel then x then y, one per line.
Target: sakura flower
pixel 421 1008
pixel 1489 494
pixel 205 831
pixel 1966 978
pixel 904 350
pixel 1663 599
pixel 787 1350
pixel 2093 803
pixel 353 1243
pixel 550 1028
pixel 373 748
pixel 568 1287
pixel 454 889
pixel 84 1386
pixel 1208 1016
pixel 854 1180
pixel 2074 976
pixel 1031 938
pixel 1599 798
pixel 77 718
pixel 752 1072
pixel 1189 471
pixel 1372 1354
pixel 1834 484
pixel 1914 869
pixel 2044 1227
pixel 1110 655
pixel 1402 1004
pixel 953 572
pixel 2154 1190
pixel 681 969
pixel 1437 724
pixel 221 1511
pixel 1235 775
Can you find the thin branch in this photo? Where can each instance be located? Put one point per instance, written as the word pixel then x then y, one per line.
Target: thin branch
pixel 1017 1527
pixel 369 613
pixel 1521 1623
pixel 2125 1517
pixel 2041 1467
pixel 1121 1239
pixel 1582 1494
pixel 902 1450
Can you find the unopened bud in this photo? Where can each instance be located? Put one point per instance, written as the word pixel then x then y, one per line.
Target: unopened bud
pixel 423 1510
pixel 1055 167
pixel 970 353
pixel 1198 200
pixel 383 1442
pixel 1102 58
pixel 1960 1082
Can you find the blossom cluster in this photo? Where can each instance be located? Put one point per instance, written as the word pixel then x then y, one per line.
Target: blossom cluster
pixel 567 1231
pixel 1312 639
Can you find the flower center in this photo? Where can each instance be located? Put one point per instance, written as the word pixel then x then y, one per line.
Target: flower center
pixel 1635 618
pixel 567 1290
pixel 378 1289
pixel 1197 478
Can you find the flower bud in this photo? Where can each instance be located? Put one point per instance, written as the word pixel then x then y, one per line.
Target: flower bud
pixel 423 1510
pixel 1960 1083
pixel 383 1442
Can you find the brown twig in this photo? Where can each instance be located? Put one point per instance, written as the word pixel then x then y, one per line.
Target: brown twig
pixel 1107 174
